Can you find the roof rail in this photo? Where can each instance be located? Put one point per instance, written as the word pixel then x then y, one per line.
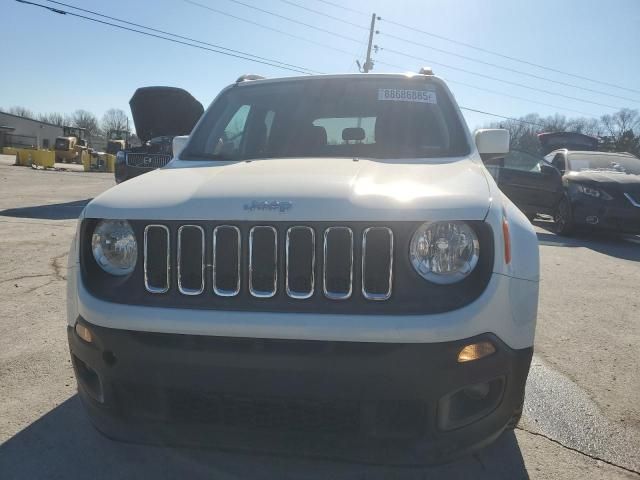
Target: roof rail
pixel 249 76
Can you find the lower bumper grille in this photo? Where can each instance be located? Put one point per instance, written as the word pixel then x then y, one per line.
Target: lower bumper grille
pixel 264 413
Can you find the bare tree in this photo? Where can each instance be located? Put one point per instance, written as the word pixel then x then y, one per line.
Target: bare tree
pixel 617 124
pixel 114 119
pixel 56 118
pixel 86 120
pixel 21 112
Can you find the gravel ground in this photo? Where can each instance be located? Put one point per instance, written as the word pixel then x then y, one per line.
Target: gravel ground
pixel 582 417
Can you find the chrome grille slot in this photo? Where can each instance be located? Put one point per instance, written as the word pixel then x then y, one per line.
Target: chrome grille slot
pixel 377 263
pixel 337 276
pixel 257 262
pixel 226 260
pixel 147 160
pixel 263 259
pixel 191 259
pixel 156 258
pixel 300 254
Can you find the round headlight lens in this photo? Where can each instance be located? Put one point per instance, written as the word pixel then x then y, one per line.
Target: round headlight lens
pixel 114 247
pixel 444 252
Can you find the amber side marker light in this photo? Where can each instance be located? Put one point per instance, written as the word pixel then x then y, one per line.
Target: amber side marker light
pixel 84 333
pixel 507 240
pixel 476 351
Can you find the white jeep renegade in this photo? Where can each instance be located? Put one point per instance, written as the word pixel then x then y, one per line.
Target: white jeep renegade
pixel 326 268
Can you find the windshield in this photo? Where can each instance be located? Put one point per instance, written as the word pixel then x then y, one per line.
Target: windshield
pixel 376 118
pixel 61 144
pixel 604 163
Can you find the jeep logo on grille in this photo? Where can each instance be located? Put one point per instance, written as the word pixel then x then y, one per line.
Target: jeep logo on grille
pixel 147 160
pixel 269 205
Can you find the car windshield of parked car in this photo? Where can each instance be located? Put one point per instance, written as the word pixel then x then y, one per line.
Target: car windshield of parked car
pixel 376 118
pixel 604 163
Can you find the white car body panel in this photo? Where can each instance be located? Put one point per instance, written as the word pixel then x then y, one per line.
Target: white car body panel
pixel 507 307
pixel 328 189
pixel 334 189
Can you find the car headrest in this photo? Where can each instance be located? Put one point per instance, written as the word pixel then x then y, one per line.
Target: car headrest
pixel 354 133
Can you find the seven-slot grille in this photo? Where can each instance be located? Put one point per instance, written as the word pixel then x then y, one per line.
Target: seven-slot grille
pixel 261 248
pixel 147 160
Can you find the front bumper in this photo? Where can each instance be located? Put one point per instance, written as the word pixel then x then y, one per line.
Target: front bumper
pixel 371 402
pixel 599 215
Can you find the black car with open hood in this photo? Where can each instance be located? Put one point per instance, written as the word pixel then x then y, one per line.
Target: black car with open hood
pixel 159 114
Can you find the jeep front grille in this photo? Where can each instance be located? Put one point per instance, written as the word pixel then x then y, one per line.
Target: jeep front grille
pixel 264 267
pixel 147 160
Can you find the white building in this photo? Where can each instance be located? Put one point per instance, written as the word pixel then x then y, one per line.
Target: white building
pixel 16 131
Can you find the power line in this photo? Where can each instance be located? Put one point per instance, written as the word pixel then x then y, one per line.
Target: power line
pixel 497 79
pixel 508 69
pixel 426 60
pixel 266 27
pixel 466 57
pixel 508 57
pixel 332 17
pixel 323 45
pixel 448 80
pixel 502 116
pixel 295 67
pixel 293 20
pixel 484 50
pixel 343 7
pixel 247 57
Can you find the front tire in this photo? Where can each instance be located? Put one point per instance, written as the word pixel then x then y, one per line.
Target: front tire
pixel 563 218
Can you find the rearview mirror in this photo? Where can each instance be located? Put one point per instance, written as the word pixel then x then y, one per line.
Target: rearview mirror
pixel 178 144
pixel 492 143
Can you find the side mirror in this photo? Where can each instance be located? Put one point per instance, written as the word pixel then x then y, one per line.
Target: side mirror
pixel 549 170
pixel 178 144
pixel 492 143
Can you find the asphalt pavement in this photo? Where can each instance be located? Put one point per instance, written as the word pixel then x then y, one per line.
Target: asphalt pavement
pixel 581 419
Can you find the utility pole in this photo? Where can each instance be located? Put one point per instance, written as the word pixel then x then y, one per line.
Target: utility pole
pixel 368 63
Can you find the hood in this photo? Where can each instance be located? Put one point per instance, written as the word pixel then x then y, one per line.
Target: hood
pixel 611 180
pixel 164 111
pixel 570 140
pixel 302 189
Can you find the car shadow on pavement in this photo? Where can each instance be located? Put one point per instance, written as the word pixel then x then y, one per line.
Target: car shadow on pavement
pixel 49 211
pixel 63 444
pixel 611 244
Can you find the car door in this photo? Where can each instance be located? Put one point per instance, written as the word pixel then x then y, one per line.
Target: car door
pixel 530 182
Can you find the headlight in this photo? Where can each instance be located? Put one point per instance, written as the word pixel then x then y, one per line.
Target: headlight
pixel 444 252
pixel 121 157
pixel 593 192
pixel 114 247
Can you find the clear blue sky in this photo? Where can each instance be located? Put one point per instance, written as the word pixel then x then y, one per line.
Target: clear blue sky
pixel 59 63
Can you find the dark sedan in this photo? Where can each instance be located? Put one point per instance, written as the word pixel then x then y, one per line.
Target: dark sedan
pixel 580 189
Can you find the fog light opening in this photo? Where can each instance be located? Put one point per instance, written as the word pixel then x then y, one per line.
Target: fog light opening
pixel 84 333
pixel 476 351
pixel 477 392
pixel 89 379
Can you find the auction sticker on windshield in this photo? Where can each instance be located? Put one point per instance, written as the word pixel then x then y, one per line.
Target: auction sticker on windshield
pixel 402 95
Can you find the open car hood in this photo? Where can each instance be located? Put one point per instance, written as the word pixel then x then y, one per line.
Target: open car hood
pixel 164 111
pixel 570 140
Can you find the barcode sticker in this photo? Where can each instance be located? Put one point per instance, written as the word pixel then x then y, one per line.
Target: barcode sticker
pixel 402 95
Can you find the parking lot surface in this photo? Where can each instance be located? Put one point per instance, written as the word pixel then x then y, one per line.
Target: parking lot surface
pixel 581 419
